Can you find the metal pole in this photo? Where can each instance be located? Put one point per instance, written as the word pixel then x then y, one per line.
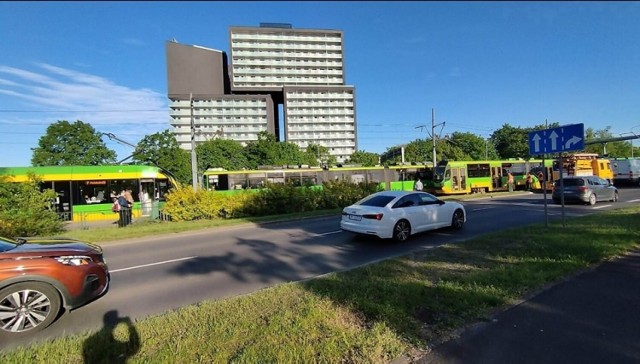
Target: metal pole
pixel 433 134
pixel 543 183
pixel 561 185
pixel 194 157
pixel 486 149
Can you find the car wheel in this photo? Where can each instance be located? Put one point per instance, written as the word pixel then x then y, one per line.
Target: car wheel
pixel 592 199
pixel 615 197
pixel 401 231
pixel 28 307
pixel 457 221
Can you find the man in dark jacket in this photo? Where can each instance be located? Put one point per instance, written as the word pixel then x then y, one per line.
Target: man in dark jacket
pixel 124 210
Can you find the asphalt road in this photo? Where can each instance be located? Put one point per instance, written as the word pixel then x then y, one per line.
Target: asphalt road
pixel 151 276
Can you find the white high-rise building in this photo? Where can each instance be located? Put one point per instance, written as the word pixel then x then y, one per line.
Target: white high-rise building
pixel 270 65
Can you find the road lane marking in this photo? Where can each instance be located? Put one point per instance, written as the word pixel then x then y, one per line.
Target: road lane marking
pixel 329 233
pixel 484 208
pixel 151 264
pixel 638 200
pixel 601 206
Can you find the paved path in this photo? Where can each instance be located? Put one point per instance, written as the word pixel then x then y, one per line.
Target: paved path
pixel 591 318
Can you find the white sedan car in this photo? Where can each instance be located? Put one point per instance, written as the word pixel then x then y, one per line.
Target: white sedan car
pixel 399 214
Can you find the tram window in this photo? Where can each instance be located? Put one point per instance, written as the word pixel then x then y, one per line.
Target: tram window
pixel 478 170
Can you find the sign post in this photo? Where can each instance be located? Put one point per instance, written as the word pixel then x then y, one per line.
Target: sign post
pixel 564 138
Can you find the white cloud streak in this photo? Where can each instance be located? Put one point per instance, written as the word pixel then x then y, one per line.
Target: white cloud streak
pixel 73 95
pixel 31 99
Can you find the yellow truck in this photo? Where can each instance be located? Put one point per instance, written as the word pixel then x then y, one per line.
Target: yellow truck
pixel 584 164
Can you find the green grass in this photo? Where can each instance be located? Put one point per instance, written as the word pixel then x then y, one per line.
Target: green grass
pixel 372 314
pixel 108 232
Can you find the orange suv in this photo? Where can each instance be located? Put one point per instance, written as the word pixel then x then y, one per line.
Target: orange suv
pixel 39 277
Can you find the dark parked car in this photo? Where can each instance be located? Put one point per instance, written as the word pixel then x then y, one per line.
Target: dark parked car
pixel 585 189
pixel 39 277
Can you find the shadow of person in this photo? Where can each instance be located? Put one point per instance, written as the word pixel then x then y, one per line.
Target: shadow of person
pixel 111 344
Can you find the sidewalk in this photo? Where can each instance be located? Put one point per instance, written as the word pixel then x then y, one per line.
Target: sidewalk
pixel 591 318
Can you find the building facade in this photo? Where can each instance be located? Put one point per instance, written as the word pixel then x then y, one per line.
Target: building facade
pixel 271 65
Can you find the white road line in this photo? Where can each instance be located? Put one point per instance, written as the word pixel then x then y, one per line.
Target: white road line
pixel 484 208
pixel 638 200
pixel 151 264
pixel 601 206
pixel 329 233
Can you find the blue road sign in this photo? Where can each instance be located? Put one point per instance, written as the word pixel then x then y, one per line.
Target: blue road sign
pixel 561 139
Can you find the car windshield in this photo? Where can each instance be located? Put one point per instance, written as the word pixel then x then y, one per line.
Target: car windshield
pixel 378 201
pixel 570 182
pixel 6 244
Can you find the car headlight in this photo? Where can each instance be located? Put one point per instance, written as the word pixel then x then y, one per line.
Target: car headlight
pixel 74 260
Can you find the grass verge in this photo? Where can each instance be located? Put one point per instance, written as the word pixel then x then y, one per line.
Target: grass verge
pixel 371 314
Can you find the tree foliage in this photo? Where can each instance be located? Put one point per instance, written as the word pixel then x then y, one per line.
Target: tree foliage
pixel 25 211
pixel 162 150
pixel 268 151
pixel 221 153
pixel 318 155
pixel 613 149
pixel 66 144
pixel 366 159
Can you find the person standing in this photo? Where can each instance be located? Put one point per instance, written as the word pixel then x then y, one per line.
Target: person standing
pixel 417 186
pixel 510 182
pixel 528 181
pixel 124 206
pixel 129 197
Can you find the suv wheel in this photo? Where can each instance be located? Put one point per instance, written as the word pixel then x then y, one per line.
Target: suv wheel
pixel 592 199
pixel 28 306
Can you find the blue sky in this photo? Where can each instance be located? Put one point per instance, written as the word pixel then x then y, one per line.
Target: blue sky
pixel 480 65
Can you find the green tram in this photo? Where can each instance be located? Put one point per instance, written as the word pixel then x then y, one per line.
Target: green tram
pixel 84 192
pixel 463 177
pixel 389 178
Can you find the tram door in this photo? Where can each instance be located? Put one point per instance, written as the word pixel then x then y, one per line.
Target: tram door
pixel 458 179
pixel 496 177
pixel 63 200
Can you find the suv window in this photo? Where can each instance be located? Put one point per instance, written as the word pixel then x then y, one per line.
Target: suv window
pixel 572 182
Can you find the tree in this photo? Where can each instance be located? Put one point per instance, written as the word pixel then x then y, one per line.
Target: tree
pixel 262 151
pixel 268 151
pixel 418 151
pixel 511 142
pixel 25 211
pixel 366 159
pixel 66 144
pixel 318 155
pixel 613 149
pixel 162 150
pixel 221 153
pixel 473 147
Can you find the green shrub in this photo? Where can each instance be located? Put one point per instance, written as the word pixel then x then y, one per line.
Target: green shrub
pixel 26 211
pixel 188 205
pixel 275 199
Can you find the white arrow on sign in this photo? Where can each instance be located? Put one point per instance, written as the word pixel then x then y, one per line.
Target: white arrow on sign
pixel 536 142
pixel 574 140
pixel 553 136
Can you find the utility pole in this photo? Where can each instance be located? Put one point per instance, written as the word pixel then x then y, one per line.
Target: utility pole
pixel 194 157
pixel 433 133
